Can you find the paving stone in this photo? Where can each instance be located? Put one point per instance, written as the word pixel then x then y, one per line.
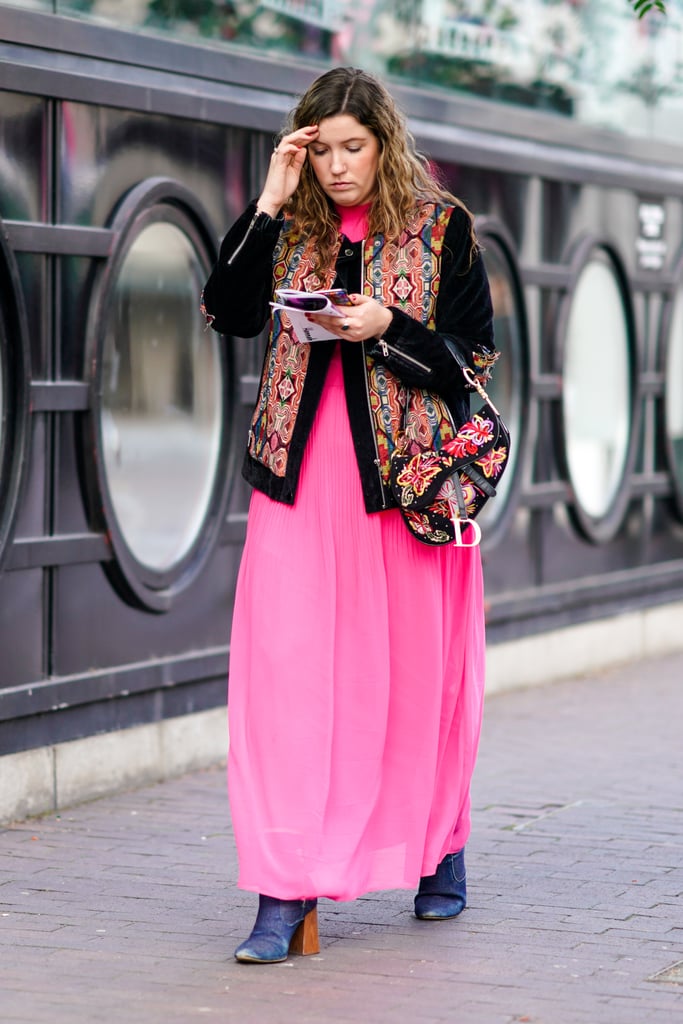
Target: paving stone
pixel 125 908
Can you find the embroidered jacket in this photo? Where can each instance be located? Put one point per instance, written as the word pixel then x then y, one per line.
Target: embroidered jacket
pixel 438 296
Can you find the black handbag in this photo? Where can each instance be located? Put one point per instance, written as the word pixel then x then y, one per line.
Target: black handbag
pixel 441 492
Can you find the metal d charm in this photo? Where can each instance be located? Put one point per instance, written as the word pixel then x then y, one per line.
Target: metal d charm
pixel 466 542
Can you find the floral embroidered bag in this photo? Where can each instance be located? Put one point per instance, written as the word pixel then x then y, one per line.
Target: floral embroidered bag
pixel 441 492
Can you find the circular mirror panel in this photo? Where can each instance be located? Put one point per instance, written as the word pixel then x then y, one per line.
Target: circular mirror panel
pixel 596 397
pixel 3 378
pixel 673 400
pixel 3 426
pixel 506 386
pixel 161 405
pixel 15 375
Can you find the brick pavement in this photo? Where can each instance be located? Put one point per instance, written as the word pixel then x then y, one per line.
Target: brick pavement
pixel 124 909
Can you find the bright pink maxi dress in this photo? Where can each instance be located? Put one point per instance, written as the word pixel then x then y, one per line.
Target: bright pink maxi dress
pixel 356 685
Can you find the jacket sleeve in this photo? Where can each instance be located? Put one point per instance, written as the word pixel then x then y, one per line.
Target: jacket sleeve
pixel 236 296
pixel 423 358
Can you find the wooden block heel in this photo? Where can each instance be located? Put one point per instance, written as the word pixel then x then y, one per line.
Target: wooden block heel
pixel 305 940
pixel 282 927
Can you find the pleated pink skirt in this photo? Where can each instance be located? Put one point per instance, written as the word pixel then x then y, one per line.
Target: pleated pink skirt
pixel 356 686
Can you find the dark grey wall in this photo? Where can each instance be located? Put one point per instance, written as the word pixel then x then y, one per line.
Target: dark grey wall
pixel 87 117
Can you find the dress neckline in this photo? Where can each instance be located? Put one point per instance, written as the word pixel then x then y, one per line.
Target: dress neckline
pixel 353 221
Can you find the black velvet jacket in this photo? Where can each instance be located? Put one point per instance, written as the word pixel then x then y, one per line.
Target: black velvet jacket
pixel 236 298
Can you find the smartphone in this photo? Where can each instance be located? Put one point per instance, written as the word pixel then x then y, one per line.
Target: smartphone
pixel 313 302
pixel 310 303
pixel 338 296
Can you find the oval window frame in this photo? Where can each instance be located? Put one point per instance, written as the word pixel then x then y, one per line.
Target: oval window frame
pixel 15 425
pixel 675 294
pixel 603 528
pixel 156 200
pixel 491 229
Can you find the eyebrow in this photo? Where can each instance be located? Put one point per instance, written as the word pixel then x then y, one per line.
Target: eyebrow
pixel 344 142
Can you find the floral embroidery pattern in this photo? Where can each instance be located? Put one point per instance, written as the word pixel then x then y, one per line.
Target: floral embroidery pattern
pixel 208 317
pixel 472 435
pixel 493 463
pixel 441 491
pixel 421 525
pixel 419 473
pixel 483 365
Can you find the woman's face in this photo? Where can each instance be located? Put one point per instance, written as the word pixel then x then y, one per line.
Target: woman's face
pixel 344 159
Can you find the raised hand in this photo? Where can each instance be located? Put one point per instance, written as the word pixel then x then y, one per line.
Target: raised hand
pixel 285 169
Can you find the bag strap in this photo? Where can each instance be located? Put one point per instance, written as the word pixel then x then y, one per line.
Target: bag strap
pixel 467 373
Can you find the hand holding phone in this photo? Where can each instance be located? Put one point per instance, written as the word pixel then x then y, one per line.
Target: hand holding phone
pixel 313 302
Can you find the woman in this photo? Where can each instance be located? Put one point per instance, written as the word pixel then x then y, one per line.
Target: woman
pixel 357 653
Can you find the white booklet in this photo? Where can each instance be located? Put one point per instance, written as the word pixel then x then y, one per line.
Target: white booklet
pixel 297 304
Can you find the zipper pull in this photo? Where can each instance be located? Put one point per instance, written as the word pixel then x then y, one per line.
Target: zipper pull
pixel 253 220
pixel 384 348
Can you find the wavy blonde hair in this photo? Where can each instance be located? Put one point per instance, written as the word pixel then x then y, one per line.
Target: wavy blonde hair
pixel 404 177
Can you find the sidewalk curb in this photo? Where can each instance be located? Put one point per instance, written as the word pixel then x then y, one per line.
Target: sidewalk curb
pixel 49 779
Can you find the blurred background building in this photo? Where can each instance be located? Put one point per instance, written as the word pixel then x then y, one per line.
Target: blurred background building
pixel 132 132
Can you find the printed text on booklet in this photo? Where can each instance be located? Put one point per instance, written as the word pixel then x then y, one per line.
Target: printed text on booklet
pixel 296 305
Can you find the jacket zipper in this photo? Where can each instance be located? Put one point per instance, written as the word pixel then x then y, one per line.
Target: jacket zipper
pixel 386 349
pixel 246 235
pixel 378 466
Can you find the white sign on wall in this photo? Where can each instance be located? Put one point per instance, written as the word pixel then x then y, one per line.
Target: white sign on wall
pixel 650 244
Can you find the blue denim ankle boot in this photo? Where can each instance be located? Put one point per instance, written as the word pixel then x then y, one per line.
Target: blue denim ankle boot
pixel 444 894
pixel 281 927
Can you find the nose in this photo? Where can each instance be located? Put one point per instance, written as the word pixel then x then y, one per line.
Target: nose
pixel 338 164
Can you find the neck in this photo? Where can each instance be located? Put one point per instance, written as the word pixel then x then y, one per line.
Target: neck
pixel 354 221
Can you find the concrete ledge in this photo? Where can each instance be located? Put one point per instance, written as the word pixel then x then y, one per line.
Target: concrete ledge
pixel 590 647
pixel 49 779
pixel 27 784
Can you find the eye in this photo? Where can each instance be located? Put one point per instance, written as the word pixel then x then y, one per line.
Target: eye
pixel 318 152
pixel 354 149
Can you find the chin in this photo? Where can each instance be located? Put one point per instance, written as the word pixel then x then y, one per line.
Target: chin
pixel 342 199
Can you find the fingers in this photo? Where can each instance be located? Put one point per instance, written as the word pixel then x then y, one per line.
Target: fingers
pixel 287 155
pixel 345 327
pixel 284 171
pixel 365 318
pixel 348 330
pixel 294 144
